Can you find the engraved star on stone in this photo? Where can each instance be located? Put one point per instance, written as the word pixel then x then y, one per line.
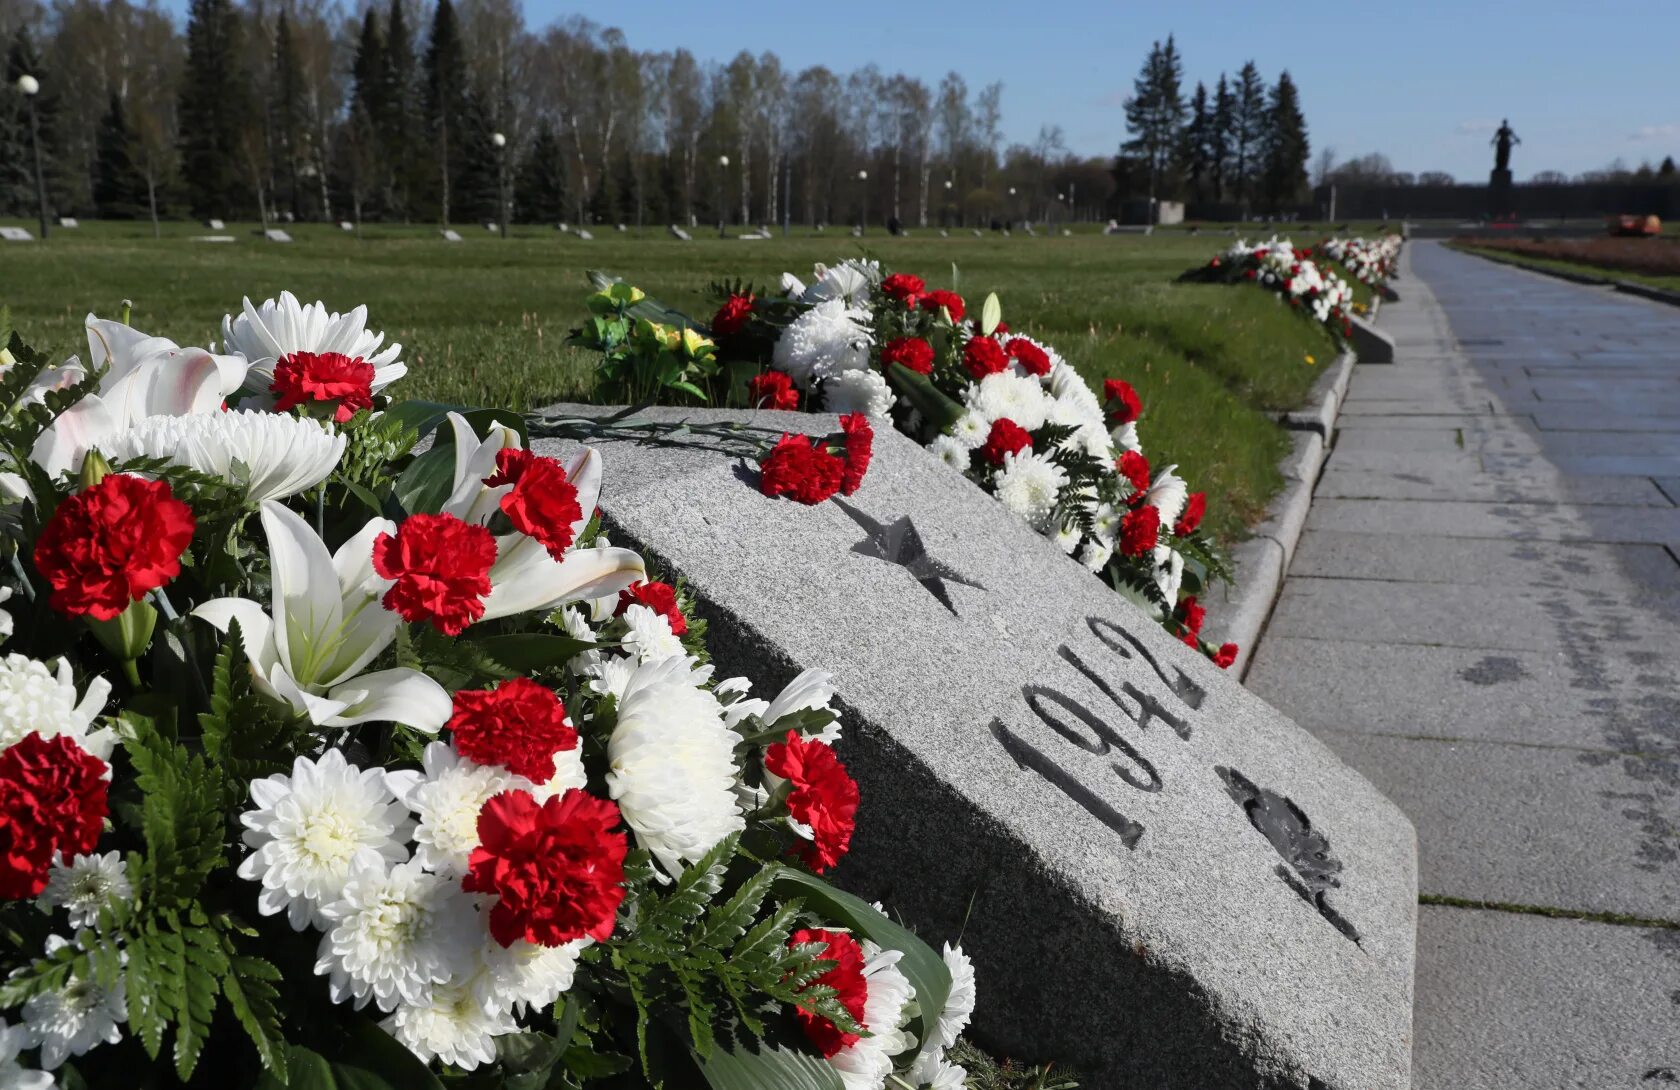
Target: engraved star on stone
pixel 899 543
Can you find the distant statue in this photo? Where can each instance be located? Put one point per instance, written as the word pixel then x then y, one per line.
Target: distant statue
pixel 1502 140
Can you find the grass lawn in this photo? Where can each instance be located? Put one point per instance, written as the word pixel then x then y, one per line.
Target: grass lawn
pixel 1653 262
pixel 484 321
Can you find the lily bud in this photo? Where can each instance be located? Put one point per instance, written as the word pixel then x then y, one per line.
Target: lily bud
pixel 129 633
pixel 94 469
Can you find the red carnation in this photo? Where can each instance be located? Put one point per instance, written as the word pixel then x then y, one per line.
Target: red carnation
pixel 1135 468
pixel 984 356
pixel 1140 529
pixel 544 501
pixel 323 378
pixel 659 597
pixel 112 544
pixel 733 316
pixel 1035 360
pixel 911 352
pixel 773 390
pixel 907 289
pixel 1225 656
pixel 1192 615
pixel 442 570
pixel 824 798
pixel 518 725
pixel 846 978
pixel 860 449
pixel 1124 404
pixel 1006 437
pixel 1194 508
pixel 556 868
pixel 52 799
pixel 801 468
pixel 950 300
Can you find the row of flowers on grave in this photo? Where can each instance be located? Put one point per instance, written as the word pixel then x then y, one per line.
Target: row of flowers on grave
pixel 1310 286
pixel 1371 261
pixel 295 708
pixel 1001 407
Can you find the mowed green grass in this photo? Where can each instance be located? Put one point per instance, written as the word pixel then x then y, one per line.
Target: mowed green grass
pixel 484 321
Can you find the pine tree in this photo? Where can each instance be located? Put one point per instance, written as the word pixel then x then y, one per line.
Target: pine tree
pixel 444 79
pixel 1248 130
pixel 291 119
pixel 475 189
pixel 397 124
pixel 1666 170
pixel 1222 136
pixel 119 188
pixel 540 194
pixel 1194 164
pixel 17 151
pixel 214 109
pixel 1285 173
pixel 1155 113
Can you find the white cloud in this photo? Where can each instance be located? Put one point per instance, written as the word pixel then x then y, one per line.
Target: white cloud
pixel 1670 131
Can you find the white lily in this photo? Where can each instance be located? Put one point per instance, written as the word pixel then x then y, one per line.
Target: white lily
pixel 268 333
pixel 327 626
pixel 145 376
pixel 525 578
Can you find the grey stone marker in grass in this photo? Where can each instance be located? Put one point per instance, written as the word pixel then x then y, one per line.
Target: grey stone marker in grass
pixel 16 234
pixel 1162 880
pixel 275 234
pixel 451 235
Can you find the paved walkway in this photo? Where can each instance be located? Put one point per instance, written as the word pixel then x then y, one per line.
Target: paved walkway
pixel 1484 618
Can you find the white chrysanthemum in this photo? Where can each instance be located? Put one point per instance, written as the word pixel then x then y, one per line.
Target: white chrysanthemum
pixel 446 797
pixel 266 334
pixel 863 392
pixel 650 637
pixel 269 455
pixel 1168 495
pixel 1028 485
pixel 1125 437
pixel 308 828
pixel 1067 384
pixel 34 698
pixel 950 450
pixel 526 976
pixel 971 430
pixel 85 885
pixel 824 341
pixel 673 763
pixel 5 618
pixel 71 1020
pixel 1067 537
pixel 568 773
pixel 576 625
pixel 612 675
pixel 453 1026
pixel 866 1063
pixel 852 280
pixel 959 1008
pixel 1169 572
pixel 394 932
pixel 1096 555
pixel 13 1075
pixel 948 1076
pixel 1016 397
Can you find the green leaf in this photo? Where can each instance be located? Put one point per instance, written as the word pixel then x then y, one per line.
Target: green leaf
pixel 939 411
pixel 373 1060
pixel 991 313
pixel 426 417
pixel 759 1066
pixel 428 480
pixel 525 652
pixel 921 963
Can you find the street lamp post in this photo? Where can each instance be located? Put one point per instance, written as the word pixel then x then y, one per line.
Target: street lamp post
pixel 945 213
pixel 1009 213
pixel 863 221
pixel 723 218
pixel 29 87
pixel 500 141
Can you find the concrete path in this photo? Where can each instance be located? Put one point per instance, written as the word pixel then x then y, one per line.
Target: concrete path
pixel 1484 618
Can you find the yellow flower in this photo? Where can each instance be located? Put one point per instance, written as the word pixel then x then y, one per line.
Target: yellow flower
pixel 1311 360
pixel 694 343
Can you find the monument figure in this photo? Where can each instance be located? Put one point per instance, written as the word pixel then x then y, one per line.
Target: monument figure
pixel 1502 141
pixel 1499 182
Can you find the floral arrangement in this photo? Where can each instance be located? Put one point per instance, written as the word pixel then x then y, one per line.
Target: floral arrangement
pixel 1371 261
pixel 1004 409
pixel 1306 285
pixel 339 746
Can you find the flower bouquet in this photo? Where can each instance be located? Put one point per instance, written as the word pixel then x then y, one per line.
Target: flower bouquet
pixel 1370 261
pixel 1306 285
pixel 1004 409
pixel 339 747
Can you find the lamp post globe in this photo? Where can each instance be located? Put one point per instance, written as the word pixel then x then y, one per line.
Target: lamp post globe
pixel 863 220
pixel 28 85
pixel 498 139
pixel 723 161
pixel 723 219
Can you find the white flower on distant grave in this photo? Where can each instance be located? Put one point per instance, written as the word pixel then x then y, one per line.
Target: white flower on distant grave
pixel 36 699
pixel 446 795
pixel 268 333
pixel 454 1026
pixel 268 455
pixel 394 932
pixel 1096 555
pixel 824 341
pixel 13 1075
pixel 959 1008
pixel 1169 572
pixel 1015 397
pixel 86 885
pixel 858 392
pixel 307 830
pixel 866 1063
pixel 327 626
pixel 649 636
pixel 672 761
pixel 1168 495
pixel 145 376
pixel 5 618
pixel 1028 484
pixel 971 430
pixel 852 280
pixel 76 1018
pixel 950 450
pixel 526 976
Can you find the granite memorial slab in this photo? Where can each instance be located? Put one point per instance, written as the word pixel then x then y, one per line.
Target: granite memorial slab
pixel 1162 880
pixel 16 234
pixel 451 235
pixel 275 234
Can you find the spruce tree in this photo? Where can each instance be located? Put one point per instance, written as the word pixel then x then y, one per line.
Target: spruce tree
pixel 1249 130
pixel 1287 149
pixel 475 189
pixel 119 188
pixel 213 110
pixel 1194 165
pixel 1155 113
pixel 540 193
pixel 397 122
pixel 443 76
pixel 1666 170
pixel 290 113
pixel 17 150
pixel 1222 137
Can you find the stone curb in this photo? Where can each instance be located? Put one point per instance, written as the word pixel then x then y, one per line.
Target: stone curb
pixel 1260 563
